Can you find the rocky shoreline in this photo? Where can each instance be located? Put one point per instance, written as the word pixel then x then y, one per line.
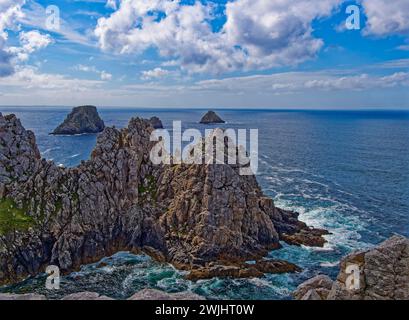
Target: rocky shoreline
pixel 145 294
pixel 195 217
pixel 382 274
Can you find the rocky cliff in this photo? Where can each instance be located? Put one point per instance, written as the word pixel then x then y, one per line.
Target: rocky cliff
pixel 84 119
pixel 193 216
pixel 383 275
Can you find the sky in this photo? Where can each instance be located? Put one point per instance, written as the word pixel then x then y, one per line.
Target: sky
pixel 295 54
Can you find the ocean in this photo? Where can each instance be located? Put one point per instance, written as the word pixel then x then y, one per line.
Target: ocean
pixel 345 171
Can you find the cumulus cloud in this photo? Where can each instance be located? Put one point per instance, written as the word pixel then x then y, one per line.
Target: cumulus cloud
pixel 258 34
pixel 387 17
pixel 30 42
pixel 10 10
pixel 156 73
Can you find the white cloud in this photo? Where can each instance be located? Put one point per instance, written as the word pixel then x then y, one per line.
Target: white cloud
pixel 30 42
pixel 34 15
pixel 105 76
pixel 30 78
pixel 156 73
pixel 10 10
pixel 387 17
pixel 258 34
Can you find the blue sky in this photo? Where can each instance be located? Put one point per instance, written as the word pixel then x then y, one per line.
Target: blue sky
pixel 208 54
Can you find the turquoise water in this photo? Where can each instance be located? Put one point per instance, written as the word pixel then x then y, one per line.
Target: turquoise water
pixel 344 171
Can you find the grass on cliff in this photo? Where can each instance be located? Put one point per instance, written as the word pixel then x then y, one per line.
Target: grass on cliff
pixel 13 218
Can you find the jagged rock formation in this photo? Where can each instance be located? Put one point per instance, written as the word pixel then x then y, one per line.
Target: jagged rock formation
pixel 156 123
pixel 211 118
pixel 188 215
pixel 84 119
pixel 384 275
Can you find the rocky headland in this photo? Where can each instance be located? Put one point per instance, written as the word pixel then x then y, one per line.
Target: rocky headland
pixel 83 119
pixel 211 117
pixel 383 275
pixel 206 219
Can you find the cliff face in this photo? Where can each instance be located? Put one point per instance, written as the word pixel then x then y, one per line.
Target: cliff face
pixel 384 275
pixel 189 215
pixel 84 119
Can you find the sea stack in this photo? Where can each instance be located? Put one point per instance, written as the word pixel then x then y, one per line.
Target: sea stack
pixel 211 117
pixel 83 119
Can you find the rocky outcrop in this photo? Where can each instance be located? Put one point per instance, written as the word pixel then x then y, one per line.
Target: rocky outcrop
pixel 242 270
pixel 383 275
pixel 192 216
pixel 156 123
pixel 84 119
pixel 211 118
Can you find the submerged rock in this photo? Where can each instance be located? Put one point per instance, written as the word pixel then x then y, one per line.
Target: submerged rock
pixel 191 216
pixel 383 275
pixel 211 118
pixel 84 119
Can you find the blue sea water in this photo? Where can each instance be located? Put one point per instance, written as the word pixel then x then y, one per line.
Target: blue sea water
pixel 345 171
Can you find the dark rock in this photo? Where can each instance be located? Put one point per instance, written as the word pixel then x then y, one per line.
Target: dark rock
pixel 84 119
pixel 156 123
pixel 243 270
pixel 211 118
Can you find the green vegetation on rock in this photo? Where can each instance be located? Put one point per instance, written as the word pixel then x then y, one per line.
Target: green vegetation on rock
pixel 13 218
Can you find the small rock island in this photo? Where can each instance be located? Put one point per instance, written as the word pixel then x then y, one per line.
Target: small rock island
pixel 156 123
pixel 211 118
pixel 83 119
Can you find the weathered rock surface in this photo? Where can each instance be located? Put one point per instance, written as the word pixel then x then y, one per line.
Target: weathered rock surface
pixel 384 275
pixel 152 294
pixel 84 119
pixel 243 270
pixel 86 296
pixel 211 118
pixel 18 297
pixel 156 123
pixel 188 215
